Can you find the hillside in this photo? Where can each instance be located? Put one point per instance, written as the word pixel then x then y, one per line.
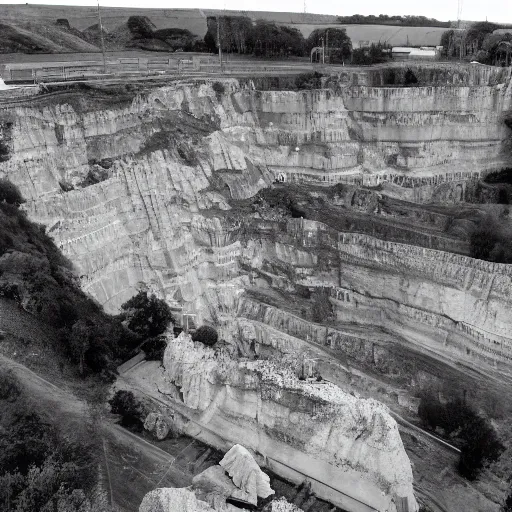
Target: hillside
pixel 34 29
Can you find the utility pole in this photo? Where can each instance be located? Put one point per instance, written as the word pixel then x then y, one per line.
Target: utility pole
pixel 102 41
pixel 218 42
pixel 323 51
pixel 327 45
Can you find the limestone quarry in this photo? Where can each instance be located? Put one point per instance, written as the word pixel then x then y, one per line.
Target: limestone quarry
pixel 168 187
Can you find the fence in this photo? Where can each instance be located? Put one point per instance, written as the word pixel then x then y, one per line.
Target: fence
pixel 75 70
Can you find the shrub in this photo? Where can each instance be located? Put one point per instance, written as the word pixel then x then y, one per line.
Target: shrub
pixel 321 309
pixel 10 388
pixel 206 335
pixel 507 505
pixel 9 193
pixel 219 88
pixel 410 78
pixel 132 411
pixel 309 81
pixel 39 465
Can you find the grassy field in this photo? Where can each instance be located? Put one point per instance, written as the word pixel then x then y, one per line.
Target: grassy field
pixel 395 36
pixel 195 20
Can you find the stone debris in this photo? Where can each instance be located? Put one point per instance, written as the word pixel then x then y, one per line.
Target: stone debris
pixel 173 500
pixel 246 474
pixel 281 505
pixel 157 424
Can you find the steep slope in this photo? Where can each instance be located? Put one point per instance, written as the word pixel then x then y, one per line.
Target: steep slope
pixel 19 36
pixel 155 186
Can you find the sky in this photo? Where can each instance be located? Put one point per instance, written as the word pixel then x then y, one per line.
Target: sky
pixel 499 11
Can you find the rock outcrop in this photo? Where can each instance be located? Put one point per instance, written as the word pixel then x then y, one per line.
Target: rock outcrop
pixel 122 186
pixel 246 474
pixel 349 448
pixel 173 500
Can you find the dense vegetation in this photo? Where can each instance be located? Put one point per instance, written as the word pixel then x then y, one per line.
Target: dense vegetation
pixel 375 54
pixel 132 411
pixel 238 34
pixel 384 19
pixel 34 274
pixel 474 434
pixel 144 30
pixel 491 241
pixel 266 39
pixel 477 42
pixel 338 46
pixel 41 467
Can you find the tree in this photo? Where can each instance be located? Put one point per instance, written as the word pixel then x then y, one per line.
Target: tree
pixel 79 342
pixel 154 348
pixel 146 315
pixel 339 44
pixel 9 193
pixel 481 445
pixel 206 335
pixel 475 434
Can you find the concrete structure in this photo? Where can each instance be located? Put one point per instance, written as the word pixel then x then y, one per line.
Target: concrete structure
pixel 405 53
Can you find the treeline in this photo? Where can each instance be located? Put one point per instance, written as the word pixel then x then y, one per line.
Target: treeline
pixel 384 19
pixel 35 275
pixel 474 434
pixel 477 42
pixel 238 34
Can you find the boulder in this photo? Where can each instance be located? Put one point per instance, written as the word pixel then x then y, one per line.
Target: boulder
pixel 157 424
pixel 173 500
pixel 246 475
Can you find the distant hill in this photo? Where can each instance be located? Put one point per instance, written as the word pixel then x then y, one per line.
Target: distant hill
pixel 33 28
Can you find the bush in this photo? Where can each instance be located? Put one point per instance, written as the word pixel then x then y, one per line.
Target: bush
pixel 309 81
pixel 219 88
pixel 39 464
pixel 10 388
pixel 9 193
pixel 410 78
pixel 132 411
pixel 507 505
pixel 322 308
pixel 206 335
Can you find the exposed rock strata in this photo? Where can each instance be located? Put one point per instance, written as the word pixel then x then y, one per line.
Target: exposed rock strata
pixel 176 151
pixel 350 448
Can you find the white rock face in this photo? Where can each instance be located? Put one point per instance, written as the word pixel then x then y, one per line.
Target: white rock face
pixel 246 473
pixel 311 430
pixel 282 505
pixel 173 500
